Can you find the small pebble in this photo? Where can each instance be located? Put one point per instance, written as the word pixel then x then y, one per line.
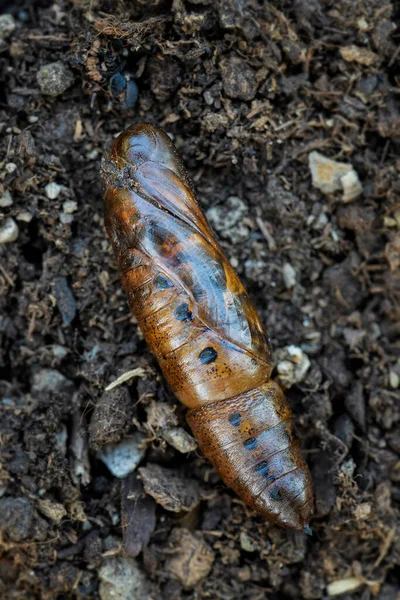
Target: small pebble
pixel 394 380
pixel 7 25
pixel 292 366
pixel 65 299
pixel 93 154
pixel 289 276
pixel 362 24
pixel 246 543
pixel 54 78
pixel 70 206
pixel 389 222
pixel 33 119
pixel 362 511
pixel 52 190
pixel 8 231
pixel 11 167
pixel 66 219
pixel 6 199
pixel 330 176
pixel 51 380
pixel 24 216
pixel 179 439
pixel 122 579
pixel 123 458
pixel 343 586
pixel 59 351
pixel 321 221
pixel 352 187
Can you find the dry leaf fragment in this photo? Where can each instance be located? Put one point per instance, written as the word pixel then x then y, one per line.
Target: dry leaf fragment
pixel 193 558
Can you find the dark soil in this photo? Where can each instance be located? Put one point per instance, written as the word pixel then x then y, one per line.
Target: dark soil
pixel 247 89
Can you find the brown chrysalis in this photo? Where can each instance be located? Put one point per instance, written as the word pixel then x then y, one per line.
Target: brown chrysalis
pixel 201 325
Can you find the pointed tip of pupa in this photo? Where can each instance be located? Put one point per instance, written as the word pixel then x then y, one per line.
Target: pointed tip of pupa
pixel 308 530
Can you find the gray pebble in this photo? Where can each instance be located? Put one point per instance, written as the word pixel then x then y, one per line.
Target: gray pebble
pixel 54 78
pixel 8 231
pixel 16 516
pixel 123 458
pixel 52 190
pixel 122 579
pixel 66 302
pixel 51 380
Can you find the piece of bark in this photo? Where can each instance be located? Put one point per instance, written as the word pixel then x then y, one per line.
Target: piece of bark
pixel 170 488
pixel 138 515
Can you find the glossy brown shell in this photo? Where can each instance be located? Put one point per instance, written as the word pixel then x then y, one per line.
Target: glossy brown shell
pixel 201 325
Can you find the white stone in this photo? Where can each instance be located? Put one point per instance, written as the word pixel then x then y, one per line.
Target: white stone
pixel 289 275
pixel 7 25
pixel 11 167
pixel 8 231
pixel 70 206
pixel 6 199
pixel 24 216
pixel 331 176
pixel 352 187
pixel 343 586
pixel 179 439
pixel 394 380
pixel 52 190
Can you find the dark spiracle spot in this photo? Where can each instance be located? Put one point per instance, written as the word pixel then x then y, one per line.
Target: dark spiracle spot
pixel 182 313
pixel 276 495
pixel 263 467
pixel 117 83
pixel 208 356
pixel 235 419
pixel 162 283
pixel 250 443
